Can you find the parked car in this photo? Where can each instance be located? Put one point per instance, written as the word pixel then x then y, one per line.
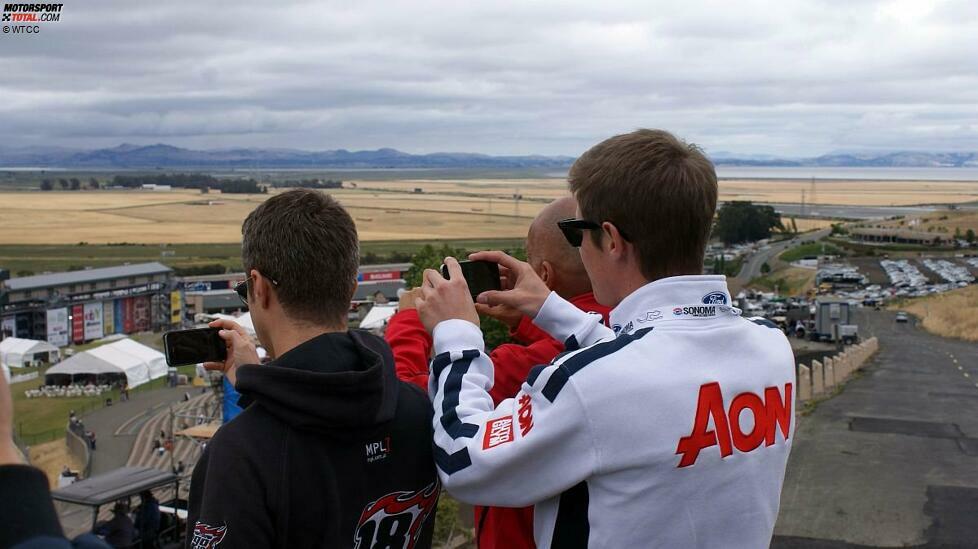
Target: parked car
pixel 902 317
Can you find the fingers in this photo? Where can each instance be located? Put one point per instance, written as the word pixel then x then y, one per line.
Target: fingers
pixel 454 269
pixel 504 260
pixel 432 278
pixel 483 309
pixel 493 297
pixel 219 366
pixel 226 324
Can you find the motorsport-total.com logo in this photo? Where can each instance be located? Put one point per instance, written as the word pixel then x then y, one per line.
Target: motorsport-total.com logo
pixel 24 18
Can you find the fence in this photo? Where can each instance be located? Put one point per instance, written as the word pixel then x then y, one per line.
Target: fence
pixel 78 447
pixel 822 376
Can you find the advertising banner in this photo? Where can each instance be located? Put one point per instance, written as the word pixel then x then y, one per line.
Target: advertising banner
pixel 382 275
pixel 58 327
pixel 77 323
pixel 176 311
pixel 108 314
pixel 141 313
pixel 93 321
pixel 128 325
pixel 8 327
pixel 118 316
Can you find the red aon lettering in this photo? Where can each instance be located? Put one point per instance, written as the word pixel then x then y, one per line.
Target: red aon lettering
pixel 771 413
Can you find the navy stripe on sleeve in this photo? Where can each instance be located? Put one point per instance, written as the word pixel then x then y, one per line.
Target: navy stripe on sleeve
pixel 577 362
pixel 449 404
pixel 452 463
pixel 439 363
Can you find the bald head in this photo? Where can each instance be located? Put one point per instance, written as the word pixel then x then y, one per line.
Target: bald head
pixel 548 252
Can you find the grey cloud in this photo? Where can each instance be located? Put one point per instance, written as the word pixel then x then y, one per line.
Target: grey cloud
pixel 796 78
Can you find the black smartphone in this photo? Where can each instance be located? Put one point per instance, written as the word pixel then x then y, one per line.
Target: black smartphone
pixel 480 276
pixel 184 347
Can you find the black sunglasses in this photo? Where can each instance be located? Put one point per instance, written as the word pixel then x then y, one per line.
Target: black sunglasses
pixel 573 230
pixel 242 288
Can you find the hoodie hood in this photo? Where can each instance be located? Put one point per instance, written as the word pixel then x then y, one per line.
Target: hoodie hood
pixel 335 381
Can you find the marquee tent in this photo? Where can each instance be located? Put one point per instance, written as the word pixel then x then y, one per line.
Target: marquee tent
pixel 137 363
pixel 18 353
pixel 244 320
pixel 378 316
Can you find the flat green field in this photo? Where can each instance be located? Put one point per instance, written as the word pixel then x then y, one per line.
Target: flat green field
pixel 36 259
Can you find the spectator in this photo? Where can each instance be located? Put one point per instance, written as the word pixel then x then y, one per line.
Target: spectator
pixel 90 435
pixel 559 265
pixel 119 530
pixel 628 440
pixel 331 449
pixel 147 519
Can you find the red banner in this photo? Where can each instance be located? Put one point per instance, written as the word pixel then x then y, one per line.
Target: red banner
pixel 127 316
pixel 78 323
pixel 382 275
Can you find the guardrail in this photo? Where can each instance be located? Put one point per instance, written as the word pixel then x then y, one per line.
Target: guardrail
pixel 818 379
pixel 79 449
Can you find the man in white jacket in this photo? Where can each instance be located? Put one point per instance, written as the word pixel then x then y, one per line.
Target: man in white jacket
pixel 672 429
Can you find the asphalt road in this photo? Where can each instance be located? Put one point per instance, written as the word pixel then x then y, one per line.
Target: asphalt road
pixel 751 268
pixel 892 461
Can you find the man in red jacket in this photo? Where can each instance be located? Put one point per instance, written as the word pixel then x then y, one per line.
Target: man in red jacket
pixel 559 266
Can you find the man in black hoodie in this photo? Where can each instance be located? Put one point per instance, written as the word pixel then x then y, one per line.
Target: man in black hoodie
pixel 331 449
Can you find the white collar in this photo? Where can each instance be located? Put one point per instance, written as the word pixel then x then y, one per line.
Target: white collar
pixel 656 300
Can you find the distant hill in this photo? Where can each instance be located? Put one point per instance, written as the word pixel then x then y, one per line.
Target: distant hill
pixel 167 156
pixel 127 156
pixel 905 159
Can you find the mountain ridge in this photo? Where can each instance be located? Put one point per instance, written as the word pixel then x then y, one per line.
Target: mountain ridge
pixel 162 155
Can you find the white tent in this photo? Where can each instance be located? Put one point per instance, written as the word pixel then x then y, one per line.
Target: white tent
pixel 244 320
pixel 139 363
pixel 153 358
pixel 378 316
pixel 18 353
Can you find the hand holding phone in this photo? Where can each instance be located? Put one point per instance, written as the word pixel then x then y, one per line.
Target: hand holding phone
pixel 445 298
pixel 480 276
pixel 195 346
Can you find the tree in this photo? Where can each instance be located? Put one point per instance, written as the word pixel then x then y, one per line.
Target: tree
pixel 765 268
pixel 970 236
pixel 794 226
pixel 47 185
pixel 740 221
pixel 494 332
pixel 64 184
pixel 75 184
pixel 92 183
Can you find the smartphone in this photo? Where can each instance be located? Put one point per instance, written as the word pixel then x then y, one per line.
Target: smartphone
pixel 480 276
pixel 184 347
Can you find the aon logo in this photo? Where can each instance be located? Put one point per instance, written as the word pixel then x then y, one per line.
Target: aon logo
pixel 770 412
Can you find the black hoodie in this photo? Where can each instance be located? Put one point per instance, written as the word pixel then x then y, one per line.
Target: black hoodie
pixel 332 450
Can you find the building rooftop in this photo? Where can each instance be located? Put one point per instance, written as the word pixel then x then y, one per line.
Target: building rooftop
pixel 87 275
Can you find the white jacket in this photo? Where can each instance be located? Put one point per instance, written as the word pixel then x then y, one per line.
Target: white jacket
pixel 674 433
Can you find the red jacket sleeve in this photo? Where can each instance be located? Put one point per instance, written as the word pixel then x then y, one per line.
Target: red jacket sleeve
pixel 512 364
pixel 527 332
pixel 411 346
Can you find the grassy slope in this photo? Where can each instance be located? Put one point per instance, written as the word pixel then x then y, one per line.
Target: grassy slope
pixel 951 314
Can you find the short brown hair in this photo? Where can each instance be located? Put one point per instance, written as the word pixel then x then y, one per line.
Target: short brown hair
pixel 656 189
pixel 306 242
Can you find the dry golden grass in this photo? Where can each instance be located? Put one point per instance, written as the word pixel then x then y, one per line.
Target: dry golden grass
pixel 791 281
pixel 387 210
pixel 808 224
pixel 952 314
pixel 854 193
pixel 50 457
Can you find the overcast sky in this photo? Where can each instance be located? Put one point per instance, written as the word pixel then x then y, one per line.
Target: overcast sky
pixel 793 78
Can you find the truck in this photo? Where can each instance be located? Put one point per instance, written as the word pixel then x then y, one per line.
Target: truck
pixel 833 322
